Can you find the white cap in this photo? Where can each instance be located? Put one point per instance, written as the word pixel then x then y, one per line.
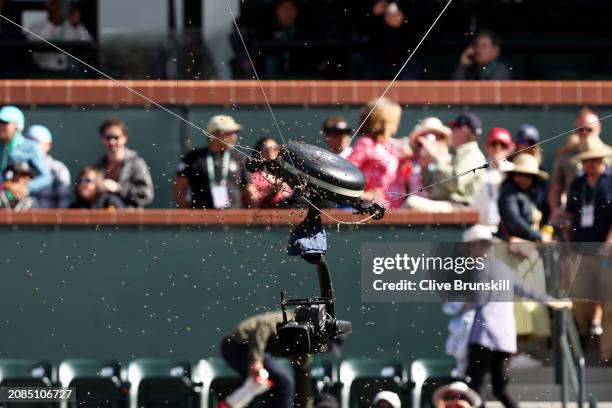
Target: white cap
pixel 223 123
pixel 389 396
pixel 477 232
pixel 458 388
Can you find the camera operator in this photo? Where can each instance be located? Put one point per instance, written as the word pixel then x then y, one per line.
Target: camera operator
pixel 252 345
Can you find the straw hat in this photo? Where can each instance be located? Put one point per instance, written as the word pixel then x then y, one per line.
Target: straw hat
pixel 593 148
pixel 477 232
pixel 430 125
pixel 528 164
pixel 457 389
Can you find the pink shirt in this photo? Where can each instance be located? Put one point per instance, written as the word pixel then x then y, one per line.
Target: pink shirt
pixel 266 190
pixel 380 165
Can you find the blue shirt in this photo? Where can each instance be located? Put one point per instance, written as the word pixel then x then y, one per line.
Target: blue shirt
pixel 25 150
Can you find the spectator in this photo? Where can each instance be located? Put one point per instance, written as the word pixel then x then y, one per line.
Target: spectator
pixel 518 212
pixel 375 154
pixel 492 339
pixel 56 27
pixel 498 147
pixel 90 191
pixel 564 168
pixel 337 134
pixel 456 395
pixel 19 173
pixel 480 59
pixel 126 174
pixel 436 136
pixel 589 210
pixel 386 399
pixel 454 192
pixel 265 190
pixel 215 174
pixel 58 194
pixel 16 148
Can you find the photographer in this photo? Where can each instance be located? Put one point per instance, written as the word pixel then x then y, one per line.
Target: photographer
pixel 252 346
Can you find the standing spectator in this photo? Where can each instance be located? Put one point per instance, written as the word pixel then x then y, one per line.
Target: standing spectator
pixel 480 59
pixel 337 134
pixel 265 190
pixel 215 174
pixel 19 173
pixel 453 191
pixel 56 27
pixel 16 148
pixel 58 194
pixel 564 168
pixel 375 154
pixel 125 172
pixel 498 147
pixel 492 339
pixel 589 210
pixel 90 192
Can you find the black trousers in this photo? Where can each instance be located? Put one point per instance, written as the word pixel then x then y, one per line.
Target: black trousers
pixel 483 360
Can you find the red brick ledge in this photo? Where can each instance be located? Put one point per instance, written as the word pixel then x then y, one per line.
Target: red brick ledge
pixel 221 217
pixel 103 92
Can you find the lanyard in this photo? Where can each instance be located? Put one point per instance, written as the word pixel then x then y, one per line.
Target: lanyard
pixel 8 147
pixel 224 168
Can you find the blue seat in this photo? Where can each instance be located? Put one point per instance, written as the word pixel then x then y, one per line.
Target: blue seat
pixel 160 382
pixel 361 380
pixel 97 382
pixel 426 375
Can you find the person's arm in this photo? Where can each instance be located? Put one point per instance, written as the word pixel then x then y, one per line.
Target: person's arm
pixel 180 190
pixel 43 178
pixel 139 188
pixel 258 341
pixel 510 214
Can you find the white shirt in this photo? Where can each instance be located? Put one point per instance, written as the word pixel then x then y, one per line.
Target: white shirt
pixel 486 199
pixel 56 61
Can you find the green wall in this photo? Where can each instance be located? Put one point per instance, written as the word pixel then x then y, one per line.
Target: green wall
pixel 132 292
pixel 158 136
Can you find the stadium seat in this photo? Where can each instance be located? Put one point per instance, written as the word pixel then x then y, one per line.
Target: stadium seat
pixel 160 382
pixel 426 375
pixel 216 379
pixel 97 382
pixel 361 379
pixel 26 373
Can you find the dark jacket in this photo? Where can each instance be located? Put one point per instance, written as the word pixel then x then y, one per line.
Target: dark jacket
pixel 516 212
pixel 493 71
pixel 103 201
pixel 134 178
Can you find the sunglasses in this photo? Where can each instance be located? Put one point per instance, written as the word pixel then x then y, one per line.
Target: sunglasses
pixel 111 136
pixel 86 180
pixel 499 144
pixel 585 130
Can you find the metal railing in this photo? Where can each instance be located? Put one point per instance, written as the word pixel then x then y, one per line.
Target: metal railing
pixel 569 359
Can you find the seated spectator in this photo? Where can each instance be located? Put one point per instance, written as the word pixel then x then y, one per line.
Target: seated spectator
pixel 498 147
pixel 451 191
pixel 91 193
pixel 265 190
pixel 527 139
pixel 58 194
pixel 565 169
pixel 215 174
pixel 125 172
pixel 16 148
pixel 455 395
pixel 386 399
pixel 57 28
pixel 480 59
pixel 375 154
pixel 19 173
pixel 520 217
pixel 337 134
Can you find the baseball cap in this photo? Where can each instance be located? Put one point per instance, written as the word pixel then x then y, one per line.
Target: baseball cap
pixel 389 396
pixel 498 134
pixel 336 124
pixel 39 134
pixel 527 133
pixel 10 114
pixel 457 390
pixel 470 120
pixel 223 124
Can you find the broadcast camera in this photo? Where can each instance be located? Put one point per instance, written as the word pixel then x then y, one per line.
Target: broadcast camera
pixel 315 174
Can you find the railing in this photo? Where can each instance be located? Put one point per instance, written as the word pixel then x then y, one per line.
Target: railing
pixel 569 359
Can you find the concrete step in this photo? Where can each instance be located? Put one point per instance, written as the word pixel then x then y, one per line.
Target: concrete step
pixel 552 392
pixel 546 375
